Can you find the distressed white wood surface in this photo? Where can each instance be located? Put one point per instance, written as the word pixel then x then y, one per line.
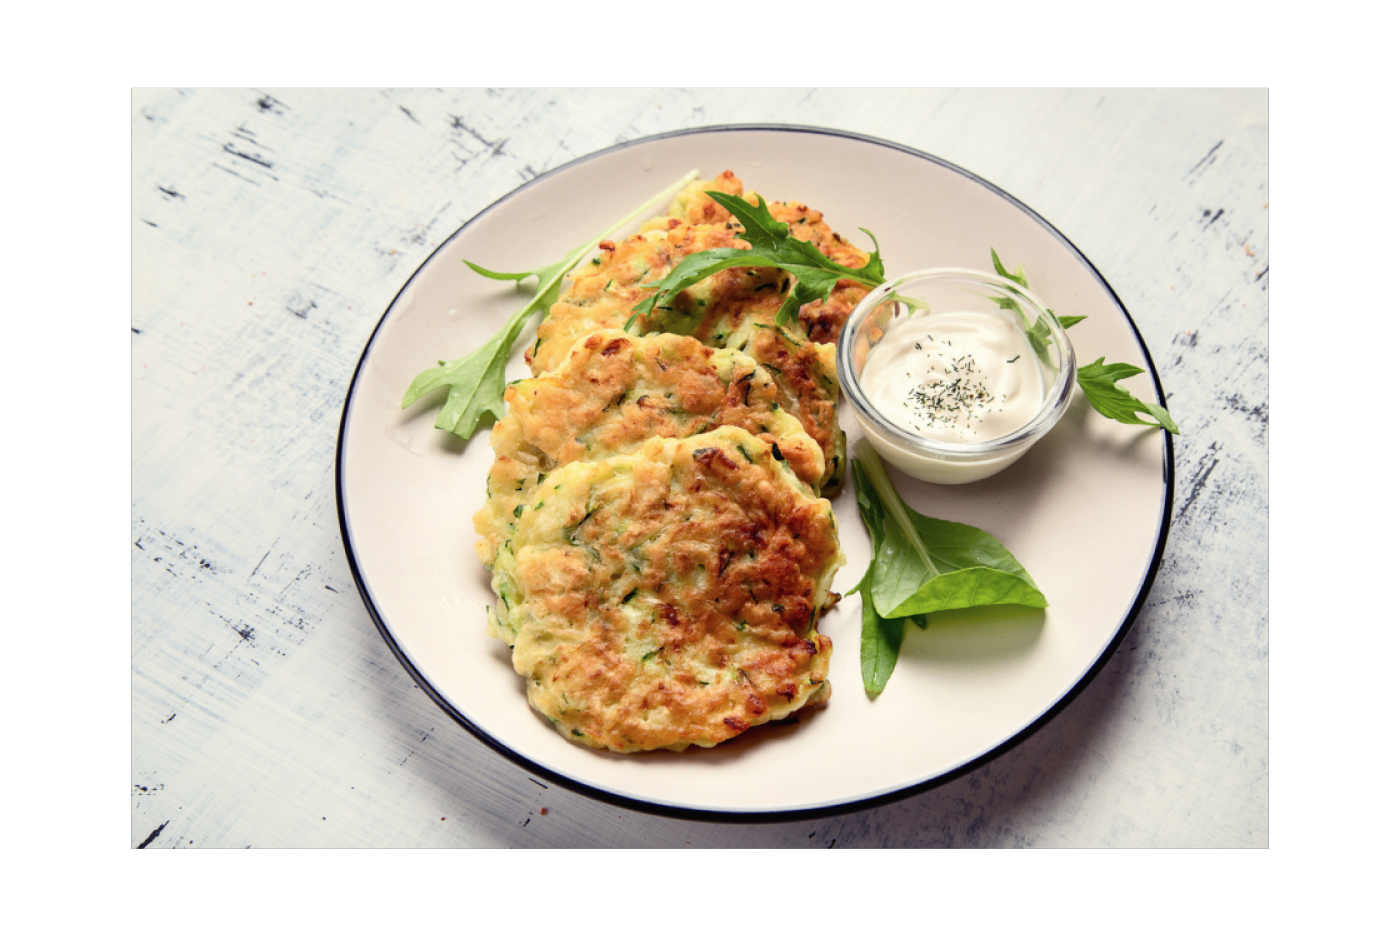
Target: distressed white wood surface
pixel 270 230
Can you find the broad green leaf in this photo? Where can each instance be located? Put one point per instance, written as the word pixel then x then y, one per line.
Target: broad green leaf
pixel 899 568
pixel 911 550
pixel 880 641
pixel 921 565
pixel 974 569
pixel 966 589
pixel 897 549
pixel 880 638
pixel 954 546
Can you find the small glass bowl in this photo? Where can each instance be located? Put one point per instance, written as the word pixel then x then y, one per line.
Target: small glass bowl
pixel 927 293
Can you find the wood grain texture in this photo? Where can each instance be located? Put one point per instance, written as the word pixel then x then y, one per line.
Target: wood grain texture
pixel 271 229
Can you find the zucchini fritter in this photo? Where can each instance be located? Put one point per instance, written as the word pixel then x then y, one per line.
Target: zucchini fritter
pixel 724 310
pixel 613 393
pixel 669 597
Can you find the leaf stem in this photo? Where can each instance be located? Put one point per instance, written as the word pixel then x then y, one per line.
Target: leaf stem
pixel 646 206
pixel 875 470
pixel 570 261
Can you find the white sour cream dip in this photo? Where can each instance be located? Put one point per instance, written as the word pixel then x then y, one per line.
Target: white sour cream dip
pixel 956 377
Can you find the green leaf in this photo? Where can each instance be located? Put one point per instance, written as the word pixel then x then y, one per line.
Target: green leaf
pixel 924 564
pixel 1100 385
pixel 1098 381
pixel 1018 277
pixel 1039 333
pixel 494 275
pixel 690 271
pixel 964 589
pixel 476 382
pixel 761 229
pixel 972 569
pixel 880 640
pixel 921 565
pixel 814 275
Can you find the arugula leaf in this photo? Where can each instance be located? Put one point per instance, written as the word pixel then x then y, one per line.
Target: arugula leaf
pixel 921 565
pixel 477 382
pixel 1018 277
pixel 813 273
pixel 1100 385
pixel 1098 381
pixel 1037 332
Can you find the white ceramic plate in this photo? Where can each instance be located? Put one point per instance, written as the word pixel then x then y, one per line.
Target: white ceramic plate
pixel 1085 511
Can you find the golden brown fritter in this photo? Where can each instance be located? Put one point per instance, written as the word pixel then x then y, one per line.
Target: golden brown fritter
pixel 693 207
pixel 822 320
pixel 669 597
pixel 725 310
pixel 741 313
pixel 805 373
pixel 603 292
pixel 614 393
